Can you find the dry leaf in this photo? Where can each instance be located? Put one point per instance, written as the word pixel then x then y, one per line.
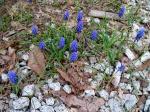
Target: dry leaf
pixel 88 104
pixel 76 77
pixel 36 60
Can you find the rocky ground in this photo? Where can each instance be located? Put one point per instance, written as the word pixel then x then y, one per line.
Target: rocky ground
pixel 90 85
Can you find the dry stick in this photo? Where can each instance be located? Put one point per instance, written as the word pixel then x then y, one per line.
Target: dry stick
pixel 103 14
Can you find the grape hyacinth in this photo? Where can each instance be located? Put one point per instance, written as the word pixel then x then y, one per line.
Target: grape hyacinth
pixel 73 56
pixel 42 45
pixel 12 77
pixel 94 34
pixel 79 27
pixel 140 34
pixel 29 1
pixel 61 43
pixel 66 15
pixel 34 29
pixel 80 16
pixel 121 68
pixel 74 46
pixel 122 11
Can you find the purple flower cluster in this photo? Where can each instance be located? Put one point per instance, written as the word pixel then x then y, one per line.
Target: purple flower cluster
pixel 61 43
pixel 66 15
pixel 80 16
pixel 94 34
pixel 74 50
pixel 42 45
pixel 79 27
pixel 13 77
pixel 140 34
pixel 122 11
pixel 34 30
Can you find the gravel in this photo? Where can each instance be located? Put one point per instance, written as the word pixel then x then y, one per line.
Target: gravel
pixel 104 94
pixel 67 88
pixel 21 103
pixel 46 108
pixel 50 101
pixel 28 90
pixel 54 86
pixel 35 103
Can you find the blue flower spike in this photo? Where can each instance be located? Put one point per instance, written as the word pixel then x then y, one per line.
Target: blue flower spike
pixel 140 34
pixel 121 68
pixel 34 30
pixel 66 15
pixel 79 27
pixel 73 56
pixel 42 45
pixel 61 43
pixel 94 34
pixel 122 11
pixel 74 46
pixel 13 77
pixel 29 1
pixel 80 16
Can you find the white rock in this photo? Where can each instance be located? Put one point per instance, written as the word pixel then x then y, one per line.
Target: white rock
pixel 13 96
pixel 97 20
pixel 34 111
pixel 35 103
pixel 147 105
pixel 126 75
pixel 116 80
pixel 115 105
pixel 109 70
pixel 88 69
pixel 67 88
pixel 94 84
pixel 99 77
pixel 129 53
pixel 89 92
pixel 113 94
pixel 13 110
pixel 125 86
pixel 130 101
pixel 92 60
pixel 4 77
pixel 99 66
pixel 28 90
pixel 145 56
pixel 54 86
pixel 45 89
pixel 137 63
pixel 104 94
pixel 104 108
pixel 21 103
pixel 46 108
pixel 50 101
pixel 136 84
pixel 25 57
pixel 23 63
pixel 61 108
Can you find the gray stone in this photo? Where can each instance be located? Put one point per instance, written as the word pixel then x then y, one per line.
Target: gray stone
pixel 46 108
pixel 129 53
pixel 113 94
pixel 89 92
pixel 67 88
pixel 34 110
pixel 50 101
pixel 109 70
pixel 104 94
pixel 88 69
pixel 61 108
pixel 92 60
pixel 4 77
pixel 23 63
pixel 125 86
pixel 13 96
pixel 21 103
pixel 115 105
pixel 147 105
pixel 25 57
pixel 145 56
pixel 35 103
pixel 97 20
pixel 54 86
pixel 28 90
pixel 130 101
pixel 104 109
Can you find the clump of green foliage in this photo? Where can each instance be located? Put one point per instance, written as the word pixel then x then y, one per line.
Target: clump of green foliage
pixel 4 23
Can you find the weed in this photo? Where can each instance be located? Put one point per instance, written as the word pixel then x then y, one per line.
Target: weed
pixel 4 23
